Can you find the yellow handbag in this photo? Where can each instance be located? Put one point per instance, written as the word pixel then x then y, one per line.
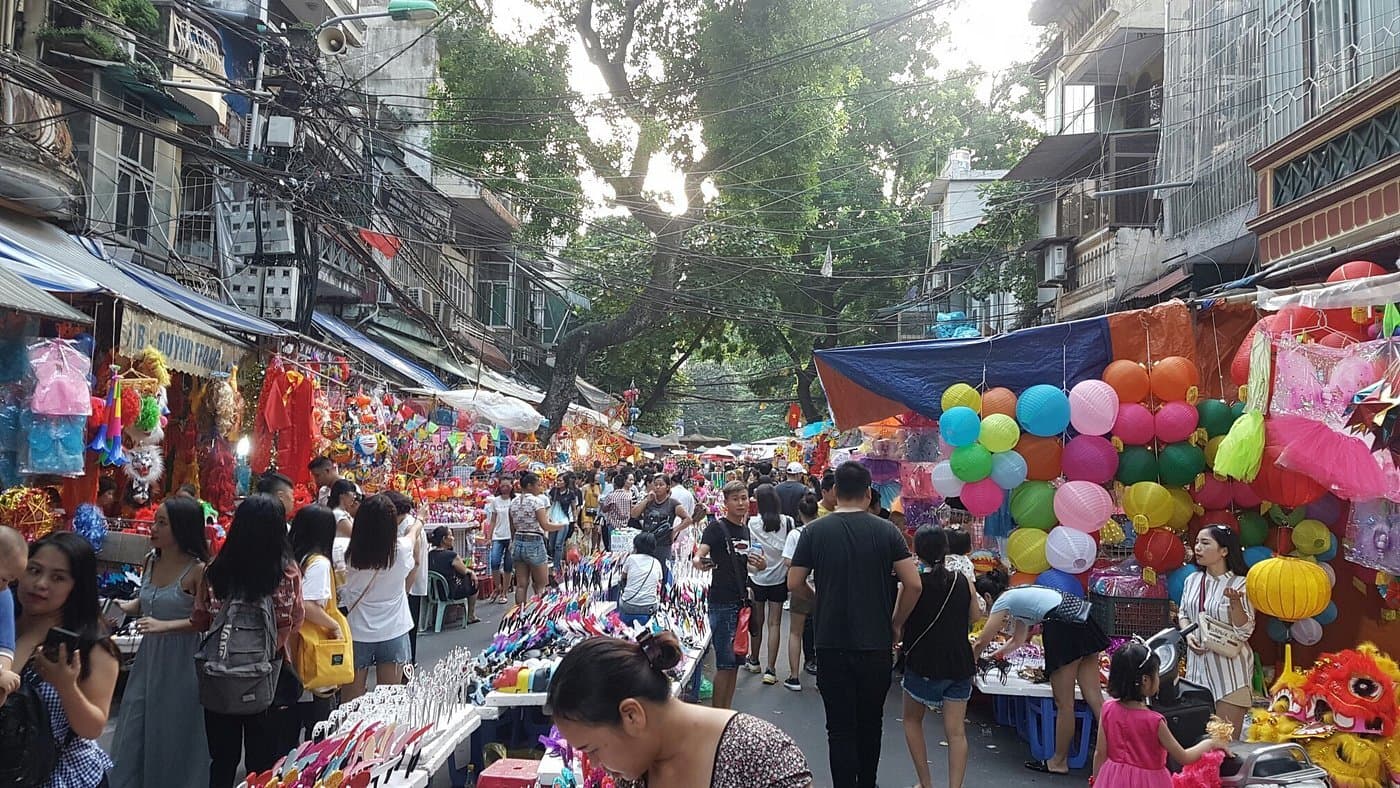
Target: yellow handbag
pixel 323 662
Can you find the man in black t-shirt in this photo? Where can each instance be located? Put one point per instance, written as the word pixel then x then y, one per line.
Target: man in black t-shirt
pixel 790 492
pixel 724 547
pixel 853 554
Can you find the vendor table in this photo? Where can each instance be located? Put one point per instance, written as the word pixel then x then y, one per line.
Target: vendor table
pixel 690 663
pixel 1030 709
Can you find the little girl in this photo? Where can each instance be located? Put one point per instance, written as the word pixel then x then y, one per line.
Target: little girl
pixel 1134 741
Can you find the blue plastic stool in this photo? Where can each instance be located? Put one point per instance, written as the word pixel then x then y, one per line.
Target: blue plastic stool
pixel 1010 711
pixel 1040 731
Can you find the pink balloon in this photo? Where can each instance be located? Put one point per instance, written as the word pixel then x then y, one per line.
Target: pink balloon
pixel 1134 425
pixel 981 498
pixel 1083 506
pixel 1214 494
pixel 1093 407
pixel 1175 421
pixel 1089 458
pixel 1244 495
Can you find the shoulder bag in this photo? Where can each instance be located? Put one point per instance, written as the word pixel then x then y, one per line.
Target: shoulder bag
pixel 1218 637
pixel 741 630
pixel 951 585
pixel 324 662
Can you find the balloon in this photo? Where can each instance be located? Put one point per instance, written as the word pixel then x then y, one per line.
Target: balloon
pixel 1173 378
pixel 1254 529
pixel 1213 493
pixel 1043 410
pixel 1134 425
pixel 1183 509
pixel 1128 379
pixel 1180 464
pixel 1215 416
pixel 1089 458
pixel 1328 614
pixel 1008 470
pixel 998 400
pixel 972 463
pixel 1176 582
pixel 1328 509
pixel 959 426
pixel 1356 269
pixel 1330 552
pixel 945 481
pixel 1148 504
pixel 1159 550
pixel 1278 631
pixel 999 433
pixel 1026 549
pixel 1061 581
pixel 1042 456
pixel 1083 506
pixel 981 498
pixel 1311 537
pixel 1033 505
pixel 1307 632
pixel 1093 407
pixel 1070 551
pixel 1175 421
pixel 961 395
pixel 1137 464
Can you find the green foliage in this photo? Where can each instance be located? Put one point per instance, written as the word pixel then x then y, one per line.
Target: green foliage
pixel 102 45
pixel 719 400
pixel 139 16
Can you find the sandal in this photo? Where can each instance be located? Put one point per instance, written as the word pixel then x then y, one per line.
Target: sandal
pixel 1044 768
pixel 473 620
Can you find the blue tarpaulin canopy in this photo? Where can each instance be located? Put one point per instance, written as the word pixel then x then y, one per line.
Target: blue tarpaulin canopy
pixel 229 317
pixel 353 338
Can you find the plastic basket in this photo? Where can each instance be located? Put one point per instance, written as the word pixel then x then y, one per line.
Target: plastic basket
pixel 1122 617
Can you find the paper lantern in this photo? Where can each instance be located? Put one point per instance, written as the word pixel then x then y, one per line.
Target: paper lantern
pixel 961 395
pixel 1083 506
pixel 999 433
pixel 1290 589
pixel 1296 320
pixel 1328 614
pixel 1239 366
pixel 1023 579
pixel 1331 551
pixel 1243 495
pixel 1026 550
pixel 1256 555
pixel 1356 269
pixel 1217 517
pixel 959 426
pixel 1331 577
pixel 1137 464
pixel 1042 456
pixel 1307 632
pixel 1173 378
pixel 1328 509
pixel 1148 505
pixel 1069 550
pixel 1093 407
pixel 945 481
pixel 1175 421
pixel 1183 510
pixel 972 463
pixel 1281 486
pixel 1134 425
pixel 999 400
pixel 981 498
pixel 1278 631
pixel 1213 448
pixel 1176 582
pixel 1254 529
pixel 1159 550
pixel 1064 582
pixel 1008 470
pixel 1311 537
pixel 1213 493
pixel 1043 410
pixel 1180 464
pixel 1033 505
pixel 1215 416
pixel 1089 458
pixel 1128 379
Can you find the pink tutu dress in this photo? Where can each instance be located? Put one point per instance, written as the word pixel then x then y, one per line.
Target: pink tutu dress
pixel 1136 758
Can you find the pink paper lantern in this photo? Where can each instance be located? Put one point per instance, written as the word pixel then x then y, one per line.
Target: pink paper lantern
pixel 981 498
pixel 1175 421
pixel 1083 506
pixel 1093 407
pixel 1134 425
pixel 1089 458
pixel 1244 495
pixel 1070 551
pixel 1213 494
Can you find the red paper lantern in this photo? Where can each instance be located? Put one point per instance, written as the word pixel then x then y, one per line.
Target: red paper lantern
pixel 1239 365
pixel 1356 269
pixel 1281 486
pixel 1159 550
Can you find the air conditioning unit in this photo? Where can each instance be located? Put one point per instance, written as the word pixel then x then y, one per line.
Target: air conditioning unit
pixel 281 131
pixel 278 228
pixel 1056 259
pixel 424 298
pixel 270 292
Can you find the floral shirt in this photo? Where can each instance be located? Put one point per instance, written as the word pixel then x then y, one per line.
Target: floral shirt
pixel 753 753
pixel 286 605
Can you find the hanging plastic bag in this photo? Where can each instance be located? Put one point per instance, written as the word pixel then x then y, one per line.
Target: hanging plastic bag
pixel 53 445
pixel 60 379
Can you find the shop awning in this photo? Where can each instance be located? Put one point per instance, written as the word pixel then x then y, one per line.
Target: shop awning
pixel 1160 285
pixel 355 339
pixel 498 409
pixel 1057 157
pixel 225 315
pixel 20 296
pixel 422 351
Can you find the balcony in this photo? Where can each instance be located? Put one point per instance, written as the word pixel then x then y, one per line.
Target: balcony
pixel 481 213
pixel 1104 39
pixel 37 168
pixel 197 61
pixel 1107 263
pixel 314 12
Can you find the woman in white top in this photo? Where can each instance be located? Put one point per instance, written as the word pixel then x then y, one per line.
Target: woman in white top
pixel 1218 591
pixel 344 502
pixel 378 566
pixel 768 586
pixel 411 530
pixel 641 582
pixel 529 522
pixel 313 531
pixel 498 517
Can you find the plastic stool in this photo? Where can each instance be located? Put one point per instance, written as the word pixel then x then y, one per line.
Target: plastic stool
pixel 510 773
pixel 1010 711
pixel 1040 731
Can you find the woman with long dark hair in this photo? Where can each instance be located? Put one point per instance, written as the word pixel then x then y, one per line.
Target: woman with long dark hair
pixel 768 589
pixel 254 564
pixel 160 732
pixel 312 536
pixel 1217 594
pixel 378 568
pixel 59 589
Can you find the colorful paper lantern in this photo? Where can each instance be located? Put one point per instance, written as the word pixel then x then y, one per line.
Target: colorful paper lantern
pixel 1137 464
pixel 1174 378
pixel 959 426
pixel 1070 550
pixel 1212 448
pixel 1042 456
pixel 1218 517
pixel 1254 529
pixel 1089 458
pixel 1212 493
pixel 1064 582
pixel 1148 505
pixel 1175 421
pixel 1356 269
pixel 1093 407
pixel 1159 550
pixel 1129 379
pixel 1281 486
pixel 972 463
pixel 1215 416
pixel 1243 495
pixel 1329 509
pixel 1183 510
pixel 1025 548
pixel 981 498
pixel 1134 425
pixel 1023 579
pixel 945 481
pixel 1043 410
pixel 961 395
pixel 1328 614
pixel 1033 505
pixel 1256 555
pixel 999 433
pixel 1176 582
pixel 1180 464
pixel 999 400
pixel 1290 589
pixel 1311 537
pixel 1008 470
pixel 1307 632
pixel 1083 506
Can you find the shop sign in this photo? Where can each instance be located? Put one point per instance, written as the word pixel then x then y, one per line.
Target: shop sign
pixel 186 349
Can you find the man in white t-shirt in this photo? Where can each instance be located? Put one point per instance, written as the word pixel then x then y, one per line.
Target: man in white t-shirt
pixel 685 500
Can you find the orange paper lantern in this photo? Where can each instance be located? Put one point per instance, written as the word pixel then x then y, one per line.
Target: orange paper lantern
pixel 1173 378
pixel 1042 456
pixel 1023 579
pixel 999 400
pixel 1129 379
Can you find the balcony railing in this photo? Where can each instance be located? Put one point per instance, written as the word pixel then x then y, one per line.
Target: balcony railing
pixel 196 45
pixel 38 119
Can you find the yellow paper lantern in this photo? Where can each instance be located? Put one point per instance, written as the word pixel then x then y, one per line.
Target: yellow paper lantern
pixel 1213 446
pixel 1311 537
pixel 1026 549
pixel 961 394
pixel 1183 509
pixel 1149 504
pixel 999 433
pixel 1289 589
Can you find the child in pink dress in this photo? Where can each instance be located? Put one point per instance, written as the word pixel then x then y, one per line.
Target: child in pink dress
pixel 1134 741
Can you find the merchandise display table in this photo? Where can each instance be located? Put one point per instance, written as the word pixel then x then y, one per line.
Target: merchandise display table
pixel 1030 709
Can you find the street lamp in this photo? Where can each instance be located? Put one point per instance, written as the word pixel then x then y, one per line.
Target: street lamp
pixel 397 10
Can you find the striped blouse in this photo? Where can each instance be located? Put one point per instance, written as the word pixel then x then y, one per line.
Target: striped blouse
pixel 1221 675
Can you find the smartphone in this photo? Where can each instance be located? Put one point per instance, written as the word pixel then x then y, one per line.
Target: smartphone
pixel 56 637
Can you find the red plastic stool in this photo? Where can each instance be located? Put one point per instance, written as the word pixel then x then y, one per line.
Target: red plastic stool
pixel 485 587
pixel 510 773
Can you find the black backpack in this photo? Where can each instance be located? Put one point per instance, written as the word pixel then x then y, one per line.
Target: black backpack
pixel 25 728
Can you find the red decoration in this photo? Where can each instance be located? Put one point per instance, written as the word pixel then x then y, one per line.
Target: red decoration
pixel 1281 486
pixel 1159 550
pixel 794 416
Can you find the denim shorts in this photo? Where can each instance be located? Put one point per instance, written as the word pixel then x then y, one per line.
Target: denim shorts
pixel 529 551
pixel 394 651
pixel 933 692
pixel 500 556
pixel 724 622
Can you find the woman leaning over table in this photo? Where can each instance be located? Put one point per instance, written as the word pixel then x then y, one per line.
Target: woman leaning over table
pixel 1218 591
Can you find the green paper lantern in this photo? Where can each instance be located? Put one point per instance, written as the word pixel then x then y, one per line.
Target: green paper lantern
pixel 1033 505
pixel 1180 463
pixel 972 463
pixel 1215 416
pixel 1254 529
pixel 1137 464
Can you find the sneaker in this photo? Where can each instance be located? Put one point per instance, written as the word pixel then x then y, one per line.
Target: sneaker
pixel 769 677
pixel 811 667
pixel 753 666
pixel 792 683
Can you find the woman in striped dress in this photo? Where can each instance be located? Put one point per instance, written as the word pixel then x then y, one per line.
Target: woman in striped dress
pixel 1218 591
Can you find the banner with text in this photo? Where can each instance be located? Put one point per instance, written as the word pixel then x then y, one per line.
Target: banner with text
pixel 187 350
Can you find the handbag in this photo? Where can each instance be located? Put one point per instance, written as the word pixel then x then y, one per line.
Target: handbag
pixel 24 727
pixel 1218 637
pixel 324 662
pixel 741 631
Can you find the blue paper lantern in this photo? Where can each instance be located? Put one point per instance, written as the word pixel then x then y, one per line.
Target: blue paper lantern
pixel 1176 581
pixel 1043 410
pixel 1330 552
pixel 1278 631
pixel 1328 614
pixel 1008 469
pixel 1060 581
pixel 960 426
pixel 1253 555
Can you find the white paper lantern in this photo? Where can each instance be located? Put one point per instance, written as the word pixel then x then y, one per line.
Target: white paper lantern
pixel 1070 551
pixel 945 481
pixel 1307 632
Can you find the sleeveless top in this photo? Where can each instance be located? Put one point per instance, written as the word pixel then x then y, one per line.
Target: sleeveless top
pixel 81 762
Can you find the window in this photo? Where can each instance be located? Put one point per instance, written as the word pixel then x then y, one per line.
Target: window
pixel 136 181
pixel 496 305
pixel 1333 51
